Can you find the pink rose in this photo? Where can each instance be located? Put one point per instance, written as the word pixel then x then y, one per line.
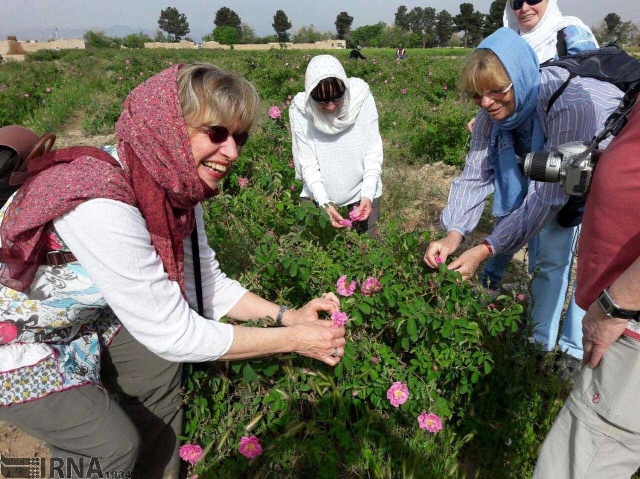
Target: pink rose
pixel 274 112
pixel 370 286
pixel 243 182
pixel 345 289
pixel 190 453
pixel 398 394
pixel 354 215
pixel 429 422
pixel 250 447
pixel 339 319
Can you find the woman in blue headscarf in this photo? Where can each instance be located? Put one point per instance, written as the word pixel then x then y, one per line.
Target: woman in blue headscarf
pixel 504 79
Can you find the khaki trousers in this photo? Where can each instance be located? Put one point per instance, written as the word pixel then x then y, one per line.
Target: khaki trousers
pixel 131 427
pixel 597 433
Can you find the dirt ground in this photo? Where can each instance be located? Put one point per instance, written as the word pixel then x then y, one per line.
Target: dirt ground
pixel 430 183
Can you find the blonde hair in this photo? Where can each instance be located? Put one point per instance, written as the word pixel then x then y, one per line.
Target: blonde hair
pixel 482 71
pixel 211 96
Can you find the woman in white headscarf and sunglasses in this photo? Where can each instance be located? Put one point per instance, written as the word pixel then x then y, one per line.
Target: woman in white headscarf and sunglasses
pixel 336 144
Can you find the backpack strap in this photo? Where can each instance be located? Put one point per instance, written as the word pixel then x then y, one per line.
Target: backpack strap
pixel 559 91
pixel 195 247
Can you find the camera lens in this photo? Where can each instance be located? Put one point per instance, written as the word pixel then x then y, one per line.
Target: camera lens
pixel 542 166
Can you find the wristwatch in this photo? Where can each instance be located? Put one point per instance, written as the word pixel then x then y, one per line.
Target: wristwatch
pixel 609 307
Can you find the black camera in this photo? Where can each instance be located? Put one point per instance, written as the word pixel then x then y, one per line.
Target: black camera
pixel 571 165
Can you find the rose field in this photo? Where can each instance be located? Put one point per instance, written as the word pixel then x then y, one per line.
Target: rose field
pixel 438 380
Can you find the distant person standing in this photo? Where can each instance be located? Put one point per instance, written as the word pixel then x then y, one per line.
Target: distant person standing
pixel 401 53
pixel 356 55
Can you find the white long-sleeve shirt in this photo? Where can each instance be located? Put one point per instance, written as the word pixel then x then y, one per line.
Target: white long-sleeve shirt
pixel 341 168
pixel 577 115
pixel 111 241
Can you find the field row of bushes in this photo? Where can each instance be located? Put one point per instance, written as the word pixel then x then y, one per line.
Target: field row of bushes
pixel 454 352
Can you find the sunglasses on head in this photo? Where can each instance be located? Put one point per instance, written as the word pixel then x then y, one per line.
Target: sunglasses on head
pixel 333 99
pixel 219 134
pixel 517 4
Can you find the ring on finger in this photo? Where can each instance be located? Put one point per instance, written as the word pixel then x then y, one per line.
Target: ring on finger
pixel 324 296
pixel 335 352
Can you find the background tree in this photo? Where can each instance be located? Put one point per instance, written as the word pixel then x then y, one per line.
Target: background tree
pixel 613 30
pixel 401 18
pixel 343 24
pixel 159 36
pixel 136 40
pixel 174 23
pixel 99 39
pixel 226 35
pixel 493 20
pixel 469 21
pixel 247 34
pixel 422 23
pixel 225 17
pixel 281 24
pixel 308 34
pixel 445 28
pixel 367 35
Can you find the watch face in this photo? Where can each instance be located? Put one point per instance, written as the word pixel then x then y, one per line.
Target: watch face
pixel 611 309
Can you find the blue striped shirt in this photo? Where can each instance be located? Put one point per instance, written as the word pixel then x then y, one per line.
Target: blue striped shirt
pixel 577 115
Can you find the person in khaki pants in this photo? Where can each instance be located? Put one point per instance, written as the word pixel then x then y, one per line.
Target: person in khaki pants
pixel 597 433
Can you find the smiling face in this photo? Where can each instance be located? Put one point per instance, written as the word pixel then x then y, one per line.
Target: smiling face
pixel 484 79
pixel 530 15
pixel 213 160
pixel 496 102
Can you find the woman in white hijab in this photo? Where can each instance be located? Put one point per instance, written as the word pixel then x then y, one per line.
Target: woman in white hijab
pixel 551 35
pixel 336 144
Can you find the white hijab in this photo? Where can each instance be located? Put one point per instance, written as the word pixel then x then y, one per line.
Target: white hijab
pixel 542 37
pixel 357 91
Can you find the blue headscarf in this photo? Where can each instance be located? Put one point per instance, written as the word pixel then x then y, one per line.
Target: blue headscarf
pixel 523 126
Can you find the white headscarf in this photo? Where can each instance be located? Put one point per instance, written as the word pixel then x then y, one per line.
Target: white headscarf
pixel 357 91
pixel 542 37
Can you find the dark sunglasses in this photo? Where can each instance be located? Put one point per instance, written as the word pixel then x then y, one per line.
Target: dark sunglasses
pixel 517 4
pixel 219 134
pixel 333 99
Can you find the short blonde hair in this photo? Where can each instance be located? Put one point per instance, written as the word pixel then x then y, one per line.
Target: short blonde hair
pixel 211 96
pixel 482 71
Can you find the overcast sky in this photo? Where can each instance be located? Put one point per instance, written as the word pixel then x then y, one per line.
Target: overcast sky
pixel 63 14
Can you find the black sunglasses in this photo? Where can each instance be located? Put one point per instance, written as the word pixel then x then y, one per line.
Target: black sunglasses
pixel 219 134
pixel 333 99
pixel 517 4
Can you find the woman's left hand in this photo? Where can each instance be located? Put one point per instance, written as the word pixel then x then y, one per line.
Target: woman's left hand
pixel 363 210
pixel 309 312
pixel 468 262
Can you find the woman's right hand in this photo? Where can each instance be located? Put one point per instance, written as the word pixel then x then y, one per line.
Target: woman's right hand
pixel 319 340
pixel 334 216
pixel 438 251
pixel 470 125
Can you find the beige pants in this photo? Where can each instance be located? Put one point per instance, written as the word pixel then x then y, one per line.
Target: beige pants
pixel 597 433
pixel 131 429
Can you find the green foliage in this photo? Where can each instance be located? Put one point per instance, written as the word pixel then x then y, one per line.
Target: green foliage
pixel 136 40
pixel 367 35
pixel 225 17
pixel 174 23
pixel 308 34
pixel 281 24
pixel 343 24
pixel 226 35
pixel 98 39
pixel 493 20
pixel 470 21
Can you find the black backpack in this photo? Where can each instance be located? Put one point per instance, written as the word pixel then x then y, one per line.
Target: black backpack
pixel 610 64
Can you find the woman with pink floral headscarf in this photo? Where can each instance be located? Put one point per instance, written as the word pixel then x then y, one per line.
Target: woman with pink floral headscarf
pixel 97 292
